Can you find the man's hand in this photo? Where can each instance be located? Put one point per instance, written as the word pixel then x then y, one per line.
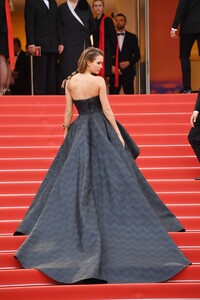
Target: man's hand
pixel 194 117
pixel 31 49
pixel 124 64
pixel 173 34
pixel 60 48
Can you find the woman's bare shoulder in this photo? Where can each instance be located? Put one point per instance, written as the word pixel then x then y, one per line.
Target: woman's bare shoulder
pixel 100 80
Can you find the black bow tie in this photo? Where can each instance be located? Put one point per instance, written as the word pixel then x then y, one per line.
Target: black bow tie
pixel 120 33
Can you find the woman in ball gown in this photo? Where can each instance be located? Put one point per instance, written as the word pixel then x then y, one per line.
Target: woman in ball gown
pixel 95 218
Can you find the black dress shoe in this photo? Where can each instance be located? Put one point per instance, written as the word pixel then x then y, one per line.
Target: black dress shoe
pixel 186 91
pixel 7 92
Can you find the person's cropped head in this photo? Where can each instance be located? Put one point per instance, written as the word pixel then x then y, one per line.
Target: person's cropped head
pixel 83 4
pixel 120 21
pixel 92 59
pixel 98 7
pixel 17 44
pixel 11 5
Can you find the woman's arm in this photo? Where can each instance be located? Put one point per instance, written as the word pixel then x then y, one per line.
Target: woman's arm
pixel 69 109
pixel 107 109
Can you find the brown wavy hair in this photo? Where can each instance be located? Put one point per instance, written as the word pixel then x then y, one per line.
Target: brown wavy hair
pixel 88 54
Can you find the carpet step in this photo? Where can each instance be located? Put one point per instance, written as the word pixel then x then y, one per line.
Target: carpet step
pixel 32 276
pixel 17 213
pixel 167 161
pixel 36 140
pixel 158 128
pixel 55 140
pixel 171 172
pixel 47 129
pixel 22 175
pixel 189 223
pixel 46 151
pixel 7 260
pixel 129 118
pixel 14 163
pixel 159 185
pixel 25 163
pixel 143 98
pixel 30 151
pixel 147 291
pixel 7 200
pixel 182 239
pixel 180 197
pixel 166 150
pixel 7 109
pixel 149 173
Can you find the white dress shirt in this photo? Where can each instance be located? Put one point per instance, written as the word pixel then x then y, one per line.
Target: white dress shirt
pixel 120 37
pixel 46 2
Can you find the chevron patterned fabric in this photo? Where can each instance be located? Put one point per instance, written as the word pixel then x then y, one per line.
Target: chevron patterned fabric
pixel 95 217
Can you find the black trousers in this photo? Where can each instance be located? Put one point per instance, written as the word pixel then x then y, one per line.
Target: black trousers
pixel 194 138
pixel 45 74
pixel 186 43
pixel 126 81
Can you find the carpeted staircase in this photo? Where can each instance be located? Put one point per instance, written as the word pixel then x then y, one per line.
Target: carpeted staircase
pixel 30 135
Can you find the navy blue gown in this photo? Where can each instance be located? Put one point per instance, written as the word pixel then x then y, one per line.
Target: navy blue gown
pixel 95 216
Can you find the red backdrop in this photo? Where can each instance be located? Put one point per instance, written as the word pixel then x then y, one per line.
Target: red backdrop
pixel 165 70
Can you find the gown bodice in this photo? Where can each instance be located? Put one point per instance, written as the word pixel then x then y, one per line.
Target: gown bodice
pixel 88 106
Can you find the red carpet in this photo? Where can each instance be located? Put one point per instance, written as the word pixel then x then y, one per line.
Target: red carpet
pixel 30 134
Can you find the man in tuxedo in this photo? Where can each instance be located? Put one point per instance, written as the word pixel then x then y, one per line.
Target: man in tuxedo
pixel 21 74
pixel 128 55
pixel 43 30
pixel 188 17
pixel 194 134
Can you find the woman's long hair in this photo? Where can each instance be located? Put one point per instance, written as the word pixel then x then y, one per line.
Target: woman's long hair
pixel 88 54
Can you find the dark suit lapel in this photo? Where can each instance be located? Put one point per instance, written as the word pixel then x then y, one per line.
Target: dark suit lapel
pixel 43 5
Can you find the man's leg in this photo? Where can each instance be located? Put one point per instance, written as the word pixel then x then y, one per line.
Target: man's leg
pixel 51 80
pixel 194 140
pixel 128 83
pixel 112 89
pixel 186 43
pixel 39 74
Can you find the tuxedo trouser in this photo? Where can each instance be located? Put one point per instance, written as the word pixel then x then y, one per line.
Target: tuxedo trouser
pixel 45 74
pixel 126 81
pixel 186 43
pixel 194 138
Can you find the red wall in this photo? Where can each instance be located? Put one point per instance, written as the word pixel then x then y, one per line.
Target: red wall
pixel 165 71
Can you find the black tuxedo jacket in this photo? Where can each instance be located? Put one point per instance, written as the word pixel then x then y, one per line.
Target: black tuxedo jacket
pixel 42 25
pixel 130 52
pixel 3 24
pixel 23 81
pixel 188 16
pixel 197 105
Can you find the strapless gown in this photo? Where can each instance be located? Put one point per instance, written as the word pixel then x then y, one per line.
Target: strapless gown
pixel 94 215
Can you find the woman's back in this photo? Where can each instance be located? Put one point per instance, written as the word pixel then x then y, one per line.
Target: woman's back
pixel 83 86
